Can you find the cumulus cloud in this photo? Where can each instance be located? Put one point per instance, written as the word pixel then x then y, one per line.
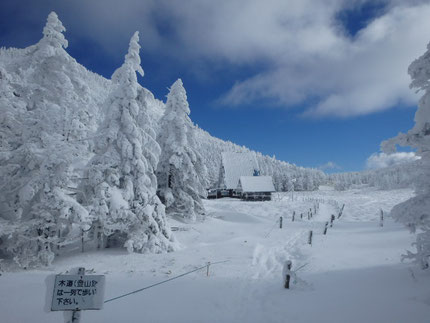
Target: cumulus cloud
pixel 382 160
pixel 344 76
pixel 299 52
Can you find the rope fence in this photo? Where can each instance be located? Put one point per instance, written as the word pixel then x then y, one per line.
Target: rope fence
pixel 165 281
pixel 272 228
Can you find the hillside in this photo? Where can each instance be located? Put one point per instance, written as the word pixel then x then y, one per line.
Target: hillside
pixel 57 118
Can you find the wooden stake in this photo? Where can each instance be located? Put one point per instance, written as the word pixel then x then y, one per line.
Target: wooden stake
pixel 82 240
pixel 59 238
pixel 99 235
pixel 287 269
pixel 331 220
pixel 341 211
pixel 310 237
pixel 325 228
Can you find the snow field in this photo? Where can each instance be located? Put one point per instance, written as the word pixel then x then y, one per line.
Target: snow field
pixel 352 274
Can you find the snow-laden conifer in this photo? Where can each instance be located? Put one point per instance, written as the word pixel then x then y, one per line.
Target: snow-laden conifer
pixel 181 172
pixel 53 38
pixel 122 182
pixel 37 161
pixel 415 212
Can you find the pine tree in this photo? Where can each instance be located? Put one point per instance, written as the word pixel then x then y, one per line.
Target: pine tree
pixel 181 172
pixel 122 182
pixel 415 212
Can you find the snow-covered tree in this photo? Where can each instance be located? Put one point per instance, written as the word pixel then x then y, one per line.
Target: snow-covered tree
pixel 415 212
pixel 289 183
pixel 122 182
pixel 53 38
pixel 36 162
pixel 181 172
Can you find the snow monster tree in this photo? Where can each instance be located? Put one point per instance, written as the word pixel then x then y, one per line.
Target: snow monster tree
pixel 122 179
pixel 36 166
pixel 181 173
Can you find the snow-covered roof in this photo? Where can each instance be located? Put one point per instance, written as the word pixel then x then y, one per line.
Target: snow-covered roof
pixel 236 165
pixel 256 184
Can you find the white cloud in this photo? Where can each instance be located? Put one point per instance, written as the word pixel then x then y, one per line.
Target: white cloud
pixel 306 54
pixel 382 160
pixel 303 52
pixel 346 77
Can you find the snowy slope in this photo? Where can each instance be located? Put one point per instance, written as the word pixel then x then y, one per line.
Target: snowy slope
pixel 352 274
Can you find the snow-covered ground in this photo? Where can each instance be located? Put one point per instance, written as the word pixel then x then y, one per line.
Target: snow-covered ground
pixel 352 274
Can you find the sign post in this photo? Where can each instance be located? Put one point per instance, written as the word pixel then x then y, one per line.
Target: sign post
pixel 78 292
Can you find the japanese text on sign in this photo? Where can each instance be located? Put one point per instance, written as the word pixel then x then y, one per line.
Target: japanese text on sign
pixel 76 292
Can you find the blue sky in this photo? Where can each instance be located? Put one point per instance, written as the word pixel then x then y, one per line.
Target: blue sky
pixel 311 82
